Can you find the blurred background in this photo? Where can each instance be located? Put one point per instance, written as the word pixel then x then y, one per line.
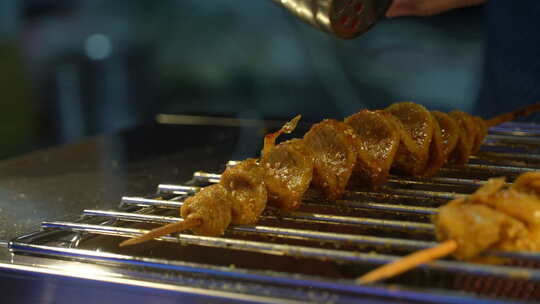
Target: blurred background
pixel 76 68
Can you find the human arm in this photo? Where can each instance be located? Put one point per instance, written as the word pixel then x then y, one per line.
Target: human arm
pixel 401 8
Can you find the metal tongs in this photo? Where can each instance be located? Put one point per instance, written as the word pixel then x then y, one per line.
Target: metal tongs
pixel 343 18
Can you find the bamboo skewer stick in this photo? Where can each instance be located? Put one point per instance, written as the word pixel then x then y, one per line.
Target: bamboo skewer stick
pixel 408 262
pixel 163 230
pixel 527 110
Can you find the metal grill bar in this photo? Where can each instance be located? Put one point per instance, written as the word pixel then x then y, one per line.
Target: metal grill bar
pixel 414 193
pixel 517 129
pixel 304 252
pixel 141 201
pixel 393 243
pixel 373 206
pixel 220 242
pixel 265 277
pixel 510 156
pixel 177 189
pixel 314 217
pixel 491 169
pixel 506 139
pixel 342 220
pixel 204 177
pixel 434 181
pixel 281 232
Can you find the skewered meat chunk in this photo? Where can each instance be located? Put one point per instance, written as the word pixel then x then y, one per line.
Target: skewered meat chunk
pixel 481 133
pixel 436 151
pixel 288 172
pixel 270 139
pixel 415 135
pixel 466 138
pixel 247 190
pixel 449 132
pixel 494 217
pixel 475 227
pixel 519 205
pixel 333 146
pixel 377 144
pixel 211 207
pixel 528 183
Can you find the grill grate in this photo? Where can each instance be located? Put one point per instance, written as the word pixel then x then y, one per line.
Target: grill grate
pixel 318 250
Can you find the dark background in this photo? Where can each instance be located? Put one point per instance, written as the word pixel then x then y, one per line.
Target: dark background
pixel 72 69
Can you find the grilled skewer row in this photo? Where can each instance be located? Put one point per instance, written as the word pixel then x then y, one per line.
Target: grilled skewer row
pixel 404 137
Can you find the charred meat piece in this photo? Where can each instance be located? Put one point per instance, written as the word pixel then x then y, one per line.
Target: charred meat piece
pixel 333 147
pixel 416 136
pixel 288 172
pixel 211 207
pixel 377 144
pixel 247 190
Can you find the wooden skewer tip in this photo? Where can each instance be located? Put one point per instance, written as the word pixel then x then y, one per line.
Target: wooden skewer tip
pixel 161 231
pixel 524 111
pixel 408 262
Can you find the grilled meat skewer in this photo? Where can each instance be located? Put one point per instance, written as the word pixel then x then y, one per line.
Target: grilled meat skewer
pixel 419 142
pixel 239 198
pixel 207 213
pixel 281 179
pixel 495 217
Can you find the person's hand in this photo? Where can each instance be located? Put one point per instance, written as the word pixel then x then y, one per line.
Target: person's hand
pixel 426 7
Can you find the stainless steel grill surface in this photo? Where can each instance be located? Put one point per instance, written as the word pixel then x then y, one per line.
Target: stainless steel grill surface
pixel 313 254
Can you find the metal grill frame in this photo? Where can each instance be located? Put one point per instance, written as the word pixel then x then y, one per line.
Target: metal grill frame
pixel 514 137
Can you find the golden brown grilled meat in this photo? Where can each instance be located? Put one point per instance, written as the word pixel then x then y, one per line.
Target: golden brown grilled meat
pixel 377 144
pixel 481 133
pixel 494 217
pixel 333 147
pixel 247 190
pixel 466 138
pixel 212 207
pixel 528 183
pixel 416 136
pixel 288 172
pixel 436 158
pixel 449 132
pixel 475 228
